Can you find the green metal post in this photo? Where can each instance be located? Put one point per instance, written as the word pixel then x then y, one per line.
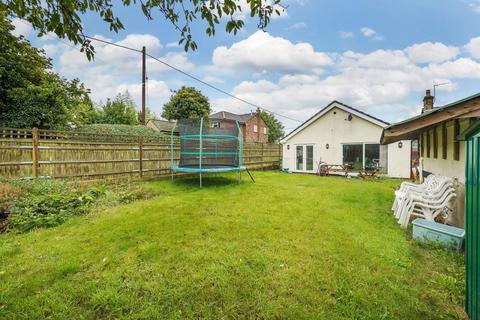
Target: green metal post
pixel 172 151
pixel 201 150
pixel 240 151
pixel 472 223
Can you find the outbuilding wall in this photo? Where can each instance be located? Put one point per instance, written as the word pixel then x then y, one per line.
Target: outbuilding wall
pixel 449 167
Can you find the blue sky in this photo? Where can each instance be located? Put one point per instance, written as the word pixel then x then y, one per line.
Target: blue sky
pixel 378 56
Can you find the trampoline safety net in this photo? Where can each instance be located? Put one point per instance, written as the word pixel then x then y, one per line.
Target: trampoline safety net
pixel 205 148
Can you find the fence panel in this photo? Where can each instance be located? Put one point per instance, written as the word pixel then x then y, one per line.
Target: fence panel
pixel 69 155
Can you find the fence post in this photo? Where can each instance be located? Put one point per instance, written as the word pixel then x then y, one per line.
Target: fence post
pixel 262 157
pixel 280 157
pixel 35 162
pixel 140 156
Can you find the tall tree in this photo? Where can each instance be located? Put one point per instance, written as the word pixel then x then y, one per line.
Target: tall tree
pixel 64 17
pixel 121 110
pixel 31 94
pixel 186 103
pixel 275 127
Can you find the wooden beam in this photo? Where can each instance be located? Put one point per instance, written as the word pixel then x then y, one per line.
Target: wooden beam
pixel 427 121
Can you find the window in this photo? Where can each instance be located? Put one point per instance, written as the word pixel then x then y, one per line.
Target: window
pixel 255 128
pixel 359 156
pixel 372 155
pixel 216 124
pixel 435 143
pixel 353 155
pixel 456 143
pixel 264 130
pixel 444 140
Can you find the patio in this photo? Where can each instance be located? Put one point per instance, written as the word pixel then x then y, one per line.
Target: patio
pixel 288 246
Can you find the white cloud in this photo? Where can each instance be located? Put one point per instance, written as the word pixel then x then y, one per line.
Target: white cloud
pixel 371 34
pixel 244 11
pixel 346 34
pixel 473 47
pixel 299 25
pixel 158 93
pixel 115 69
pixel 213 79
pixel 262 53
pixel 380 82
pixel 475 5
pixel 22 27
pixel 429 52
pixel 174 44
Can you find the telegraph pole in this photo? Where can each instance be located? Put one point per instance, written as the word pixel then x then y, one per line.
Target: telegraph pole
pixel 144 76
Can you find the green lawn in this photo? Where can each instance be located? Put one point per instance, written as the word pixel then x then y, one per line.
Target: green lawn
pixel 288 246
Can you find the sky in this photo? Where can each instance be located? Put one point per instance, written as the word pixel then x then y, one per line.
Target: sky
pixel 377 56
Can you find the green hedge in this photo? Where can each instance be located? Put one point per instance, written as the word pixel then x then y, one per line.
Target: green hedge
pixel 123 129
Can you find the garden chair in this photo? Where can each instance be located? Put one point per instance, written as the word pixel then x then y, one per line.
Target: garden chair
pixel 430 183
pixel 435 190
pixel 426 206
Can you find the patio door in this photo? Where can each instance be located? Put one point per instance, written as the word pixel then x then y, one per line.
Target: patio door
pixel 304 158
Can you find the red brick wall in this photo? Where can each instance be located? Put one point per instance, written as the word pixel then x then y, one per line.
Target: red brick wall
pixel 247 129
pixel 259 136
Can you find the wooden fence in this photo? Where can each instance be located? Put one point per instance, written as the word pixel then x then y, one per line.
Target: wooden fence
pixel 70 154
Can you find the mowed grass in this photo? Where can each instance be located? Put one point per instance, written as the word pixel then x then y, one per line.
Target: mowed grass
pixel 288 246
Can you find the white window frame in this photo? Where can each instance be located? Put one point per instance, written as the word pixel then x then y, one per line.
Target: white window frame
pixel 264 130
pixel 363 149
pixel 255 128
pixel 304 146
pixel 216 124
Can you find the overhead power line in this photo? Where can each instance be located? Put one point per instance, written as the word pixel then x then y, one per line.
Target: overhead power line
pixel 194 78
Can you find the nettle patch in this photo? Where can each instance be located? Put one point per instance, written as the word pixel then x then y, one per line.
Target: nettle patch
pixel 30 204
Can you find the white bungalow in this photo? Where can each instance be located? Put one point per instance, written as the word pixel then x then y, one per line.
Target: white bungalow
pixel 339 135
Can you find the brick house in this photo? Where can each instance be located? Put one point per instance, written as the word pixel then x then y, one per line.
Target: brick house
pixel 253 127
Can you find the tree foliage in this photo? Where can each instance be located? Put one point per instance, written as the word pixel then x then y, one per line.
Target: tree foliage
pixel 31 94
pixel 64 17
pixel 120 110
pixel 275 127
pixel 186 103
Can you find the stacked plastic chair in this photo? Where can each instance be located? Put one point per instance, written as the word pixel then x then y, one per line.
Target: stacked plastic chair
pixel 426 200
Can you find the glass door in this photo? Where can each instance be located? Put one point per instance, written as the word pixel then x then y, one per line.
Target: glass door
pixel 300 158
pixel 304 158
pixel 309 158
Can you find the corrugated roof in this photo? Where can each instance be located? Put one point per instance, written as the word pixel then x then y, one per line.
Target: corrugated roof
pixel 225 115
pixel 389 137
pixel 435 110
pixel 162 125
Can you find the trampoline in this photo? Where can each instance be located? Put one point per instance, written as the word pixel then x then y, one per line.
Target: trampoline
pixel 205 148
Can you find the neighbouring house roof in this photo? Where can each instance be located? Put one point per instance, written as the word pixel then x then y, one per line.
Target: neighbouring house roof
pixel 162 125
pixel 330 106
pixel 225 115
pixel 412 127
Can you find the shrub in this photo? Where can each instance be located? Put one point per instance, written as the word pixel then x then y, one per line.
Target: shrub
pixel 8 195
pixel 113 129
pixel 31 204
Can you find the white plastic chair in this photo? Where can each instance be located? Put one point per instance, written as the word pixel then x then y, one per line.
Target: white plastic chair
pixel 427 206
pixel 405 186
pixel 434 187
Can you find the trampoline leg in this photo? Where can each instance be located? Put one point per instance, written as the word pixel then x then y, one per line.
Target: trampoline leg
pixel 239 176
pixel 200 179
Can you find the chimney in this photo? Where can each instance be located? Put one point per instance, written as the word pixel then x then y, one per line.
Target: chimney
pixel 427 101
pixel 258 110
